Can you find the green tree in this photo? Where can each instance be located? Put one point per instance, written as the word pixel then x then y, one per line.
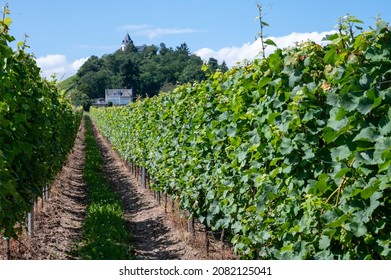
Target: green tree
pixel 192 71
pixel 93 64
pixel 93 84
pixel 151 78
pixel 213 64
pixel 163 49
pixel 80 99
pixel 223 67
pixel 150 52
pixel 130 75
pixel 183 49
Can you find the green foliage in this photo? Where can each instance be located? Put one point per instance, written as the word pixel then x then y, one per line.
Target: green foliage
pixel 37 129
pixel 148 71
pixel 80 99
pixel 289 154
pixel 77 97
pixel 105 236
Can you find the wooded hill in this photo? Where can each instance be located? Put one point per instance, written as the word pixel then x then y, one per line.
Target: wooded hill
pixel 147 71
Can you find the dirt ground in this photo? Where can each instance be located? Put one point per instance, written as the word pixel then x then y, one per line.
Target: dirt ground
pixel 158 232
pixel 58 220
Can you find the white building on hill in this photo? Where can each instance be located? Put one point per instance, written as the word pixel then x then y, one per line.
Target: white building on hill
pixel 119 96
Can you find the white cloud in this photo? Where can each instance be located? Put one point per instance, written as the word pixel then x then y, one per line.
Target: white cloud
pixel 98 47
pixel 249 51
pixel 154 32
pixel 134 27
pixel 78 63
pixel 58 64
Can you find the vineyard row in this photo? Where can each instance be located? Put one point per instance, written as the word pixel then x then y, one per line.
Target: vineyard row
pixel 38 126
pixel 289 155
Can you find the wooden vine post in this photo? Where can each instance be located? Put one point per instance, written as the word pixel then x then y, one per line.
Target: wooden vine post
pixel 30 221
pixel 190 226
pixel 143 181
pixel 207 243
pixel 8 248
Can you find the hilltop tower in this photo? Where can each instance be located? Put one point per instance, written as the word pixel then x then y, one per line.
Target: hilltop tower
pixel 126 41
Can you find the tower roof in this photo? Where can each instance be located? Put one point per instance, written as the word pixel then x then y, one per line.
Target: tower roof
pixel 127 39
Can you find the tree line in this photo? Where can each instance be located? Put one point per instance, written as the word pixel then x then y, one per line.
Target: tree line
pixel 147 70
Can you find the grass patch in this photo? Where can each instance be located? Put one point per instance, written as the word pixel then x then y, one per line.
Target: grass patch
pixel 105 236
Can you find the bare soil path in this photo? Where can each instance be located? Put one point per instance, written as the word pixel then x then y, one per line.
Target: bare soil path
pixel 58 224
pixel 154 234
pixel 58 220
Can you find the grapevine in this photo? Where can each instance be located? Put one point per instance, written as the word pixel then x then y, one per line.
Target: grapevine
pixel 37 129
pixel 290 154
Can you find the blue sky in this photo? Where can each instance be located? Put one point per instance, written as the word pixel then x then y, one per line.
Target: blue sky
pixel 63 34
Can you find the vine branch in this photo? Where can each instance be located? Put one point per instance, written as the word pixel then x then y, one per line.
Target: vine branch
pixel 338 190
